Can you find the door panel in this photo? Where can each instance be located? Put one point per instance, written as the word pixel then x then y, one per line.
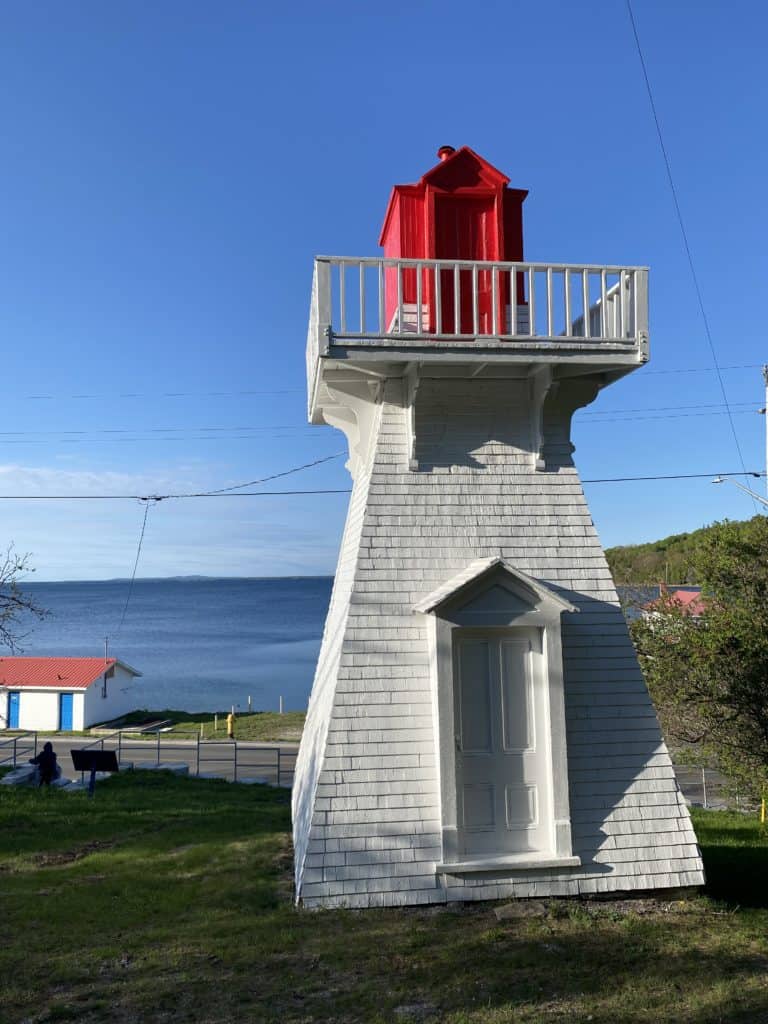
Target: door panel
pixel 465 229
pixel 517 696
pixel 65 711
pixel 522 806
pixel 14 700
pixel 475 696
pixel 503 776
pixel 479 803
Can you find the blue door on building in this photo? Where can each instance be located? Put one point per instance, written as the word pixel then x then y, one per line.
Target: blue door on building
pixel 13 710
pixel 65 710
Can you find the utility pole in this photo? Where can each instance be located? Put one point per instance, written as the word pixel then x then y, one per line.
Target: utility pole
pixel 765 413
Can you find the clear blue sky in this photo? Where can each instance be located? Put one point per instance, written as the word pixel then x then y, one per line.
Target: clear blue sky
pixel 169 170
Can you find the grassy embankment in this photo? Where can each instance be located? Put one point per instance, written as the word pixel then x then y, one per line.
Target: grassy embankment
pixel 266 726
pixel 168 899
pixel 258 726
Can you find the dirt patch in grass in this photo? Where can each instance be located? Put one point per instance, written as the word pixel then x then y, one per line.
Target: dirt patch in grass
pixel 56 859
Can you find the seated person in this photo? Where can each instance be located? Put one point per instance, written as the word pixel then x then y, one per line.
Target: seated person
pixel 47 765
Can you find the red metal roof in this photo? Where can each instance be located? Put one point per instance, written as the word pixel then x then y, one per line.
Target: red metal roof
pixel 56 673
pixel 689 601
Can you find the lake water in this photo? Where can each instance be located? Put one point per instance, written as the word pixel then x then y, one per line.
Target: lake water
pixel 201 644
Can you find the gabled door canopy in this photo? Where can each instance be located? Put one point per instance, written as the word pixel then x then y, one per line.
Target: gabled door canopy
pixel 532 591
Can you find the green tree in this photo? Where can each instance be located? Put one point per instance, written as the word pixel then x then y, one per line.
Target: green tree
pixel 16 606
pixel 708 676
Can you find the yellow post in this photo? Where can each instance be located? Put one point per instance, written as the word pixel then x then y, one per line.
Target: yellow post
pixel 762 810
pixel 231 725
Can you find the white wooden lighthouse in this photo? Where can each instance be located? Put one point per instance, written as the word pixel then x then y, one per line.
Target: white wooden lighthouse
pixel 478 726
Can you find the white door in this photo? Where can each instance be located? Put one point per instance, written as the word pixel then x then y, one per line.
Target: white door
pixel 502 747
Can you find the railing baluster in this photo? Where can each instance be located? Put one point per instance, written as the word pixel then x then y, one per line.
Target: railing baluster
pixel 623 286
pixel 456 300
pixel 494 301
pixel 513 302
pixel 585 298
pixel 438 301
pixel 382 310
pixel 361 271
pixel 475 307
pixel 550 299
pixel 399 297
pixel 604 332
pixel 342 297
pixel 567 299
pixel 532 302
pixel 419 325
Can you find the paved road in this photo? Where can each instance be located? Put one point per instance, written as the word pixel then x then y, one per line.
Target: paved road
pixel 260 761
pixel 254 760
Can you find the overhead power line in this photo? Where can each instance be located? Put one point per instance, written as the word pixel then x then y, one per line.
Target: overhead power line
pixel 135 567
pixel 705 369
pixel 684 233
pixel 154 498
pixel 310 431
pixel 162 394
pixel 174 497
pixel 263 480
pixel 666 416
pixel 151 430
pixel 664 408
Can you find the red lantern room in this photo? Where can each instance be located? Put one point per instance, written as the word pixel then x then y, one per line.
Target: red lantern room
pixel 462 209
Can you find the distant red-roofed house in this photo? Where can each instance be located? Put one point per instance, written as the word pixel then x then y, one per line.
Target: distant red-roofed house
pixel 689 602
pixel 51 694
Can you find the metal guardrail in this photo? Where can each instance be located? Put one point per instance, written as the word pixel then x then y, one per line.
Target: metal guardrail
pixel 17 746
pixel 707 787
pixel 240 757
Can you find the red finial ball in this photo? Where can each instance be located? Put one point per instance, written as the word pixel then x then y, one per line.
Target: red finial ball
pixel 445 151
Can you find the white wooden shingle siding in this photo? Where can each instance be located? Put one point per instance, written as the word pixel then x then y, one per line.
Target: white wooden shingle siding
pixel 367 817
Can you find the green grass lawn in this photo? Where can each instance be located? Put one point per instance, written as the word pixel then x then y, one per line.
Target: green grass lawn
pixel 168 900
pixel 266 726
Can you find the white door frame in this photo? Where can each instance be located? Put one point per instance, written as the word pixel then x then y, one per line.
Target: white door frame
pixel 499 597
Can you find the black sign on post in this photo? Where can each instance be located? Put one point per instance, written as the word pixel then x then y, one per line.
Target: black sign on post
pixel 93 760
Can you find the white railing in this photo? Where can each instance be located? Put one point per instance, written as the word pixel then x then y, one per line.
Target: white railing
pixel 370 299
pixel 400 303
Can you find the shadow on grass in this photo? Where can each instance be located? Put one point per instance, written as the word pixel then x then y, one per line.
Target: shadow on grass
pixel 737 875
pixel 735 852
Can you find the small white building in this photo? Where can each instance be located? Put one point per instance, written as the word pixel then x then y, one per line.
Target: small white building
pixel 50 694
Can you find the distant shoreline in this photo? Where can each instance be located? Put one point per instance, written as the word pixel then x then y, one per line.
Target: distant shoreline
pixel 174 579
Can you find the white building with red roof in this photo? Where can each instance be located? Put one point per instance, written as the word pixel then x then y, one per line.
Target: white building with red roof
pixel 689 601
pixel 51 694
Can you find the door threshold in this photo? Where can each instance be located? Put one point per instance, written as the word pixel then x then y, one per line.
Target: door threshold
pixel 520 862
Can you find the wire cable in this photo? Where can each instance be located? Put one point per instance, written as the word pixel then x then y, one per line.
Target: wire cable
pixel 684 233
pixel 165 394
pixel 155 498
pixel 263 480
pixel 704 369
pixel 148 502
pixel 666 416
pixel 664 408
